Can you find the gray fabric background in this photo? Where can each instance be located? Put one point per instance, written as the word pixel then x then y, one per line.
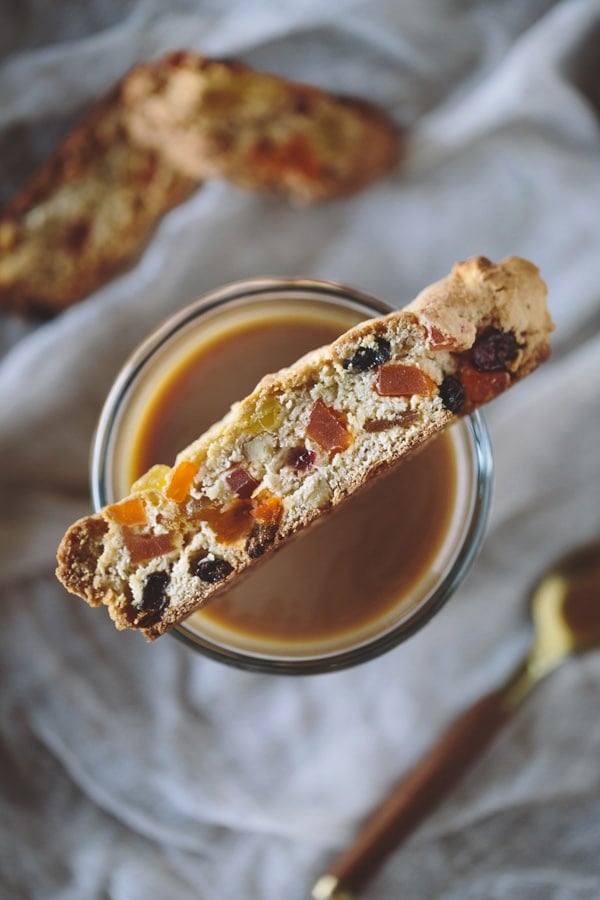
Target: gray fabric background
pixel 133 772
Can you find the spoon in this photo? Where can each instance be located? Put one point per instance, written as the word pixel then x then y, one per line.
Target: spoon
pixel 565 612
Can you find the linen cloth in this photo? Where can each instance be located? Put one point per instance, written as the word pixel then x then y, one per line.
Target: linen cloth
pixel 134 771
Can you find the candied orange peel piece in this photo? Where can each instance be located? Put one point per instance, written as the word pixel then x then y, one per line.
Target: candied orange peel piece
pixel 396 380
pixel 147 546
pixel 230 523
pixel 481 387
pixel 268 508
pixel 154 479
pixel 128 512
pixel 181 480
pixel 327 427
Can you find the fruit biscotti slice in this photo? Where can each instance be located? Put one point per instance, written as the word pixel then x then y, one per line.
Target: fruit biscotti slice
pixel 85 214
pixel 304 440
pixel 145 147
pixel 214 118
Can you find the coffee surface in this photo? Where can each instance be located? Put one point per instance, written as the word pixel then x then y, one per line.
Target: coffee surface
pixel 348 573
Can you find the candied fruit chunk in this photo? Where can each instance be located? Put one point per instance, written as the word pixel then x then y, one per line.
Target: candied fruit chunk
pixel 267 508
pixel 368 357
pixel 211 569
pixel 146 545
pixel 402 419
pixel 260 539
pixel 300 458
pixel 452 393
pixel 439 340
pixel 181 480
pixel 241 482
pixel 395 380
pixel 327 427
pixel 131 511
pixel 265 417
pixel 480 387
pixel 229 523
pixel 270 413
pixel 154 479
pixel 492 349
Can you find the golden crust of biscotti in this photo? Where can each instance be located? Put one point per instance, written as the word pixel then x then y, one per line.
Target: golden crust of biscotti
pixel 86 213
pixel 217 118
pixel 465 339
pixel 510 296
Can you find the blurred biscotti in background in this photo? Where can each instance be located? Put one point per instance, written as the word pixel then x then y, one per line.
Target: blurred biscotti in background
pixel 221 119
pixel 150 142
pixel 84 214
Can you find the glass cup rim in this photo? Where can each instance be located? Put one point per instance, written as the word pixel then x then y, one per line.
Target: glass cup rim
pixel 260 288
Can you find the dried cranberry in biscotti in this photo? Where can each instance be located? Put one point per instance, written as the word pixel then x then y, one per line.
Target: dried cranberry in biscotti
pixel 492 349
pixel 301 458
pixel 241 482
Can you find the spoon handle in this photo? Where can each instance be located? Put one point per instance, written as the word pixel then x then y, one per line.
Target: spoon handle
pixel 414 797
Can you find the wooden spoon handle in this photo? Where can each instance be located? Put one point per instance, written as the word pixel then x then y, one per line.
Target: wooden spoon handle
pixel 416 795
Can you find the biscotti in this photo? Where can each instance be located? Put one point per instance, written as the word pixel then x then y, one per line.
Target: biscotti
pixel 304 440
pixel 160 132
pixel 86 213
pixel 213 118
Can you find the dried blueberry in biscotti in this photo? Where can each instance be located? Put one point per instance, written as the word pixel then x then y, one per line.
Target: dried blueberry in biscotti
pixel 369 356
pixel 452 393
pixel 211 569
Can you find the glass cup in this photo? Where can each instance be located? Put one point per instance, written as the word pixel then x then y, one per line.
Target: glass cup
pixel 237 306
